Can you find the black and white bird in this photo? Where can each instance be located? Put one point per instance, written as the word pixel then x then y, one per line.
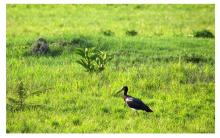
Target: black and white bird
pixel 134 103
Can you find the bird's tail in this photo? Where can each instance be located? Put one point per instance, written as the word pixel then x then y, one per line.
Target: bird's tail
pixel 148 109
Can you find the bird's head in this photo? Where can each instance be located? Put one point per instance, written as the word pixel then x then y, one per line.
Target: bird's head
pixel 125 89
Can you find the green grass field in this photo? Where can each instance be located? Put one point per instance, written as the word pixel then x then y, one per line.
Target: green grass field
pixel 164 65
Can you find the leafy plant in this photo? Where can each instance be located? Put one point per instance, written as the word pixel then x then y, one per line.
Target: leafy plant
pixel 102 59
pixel 87 58
pixel 92 59
pixel 21 96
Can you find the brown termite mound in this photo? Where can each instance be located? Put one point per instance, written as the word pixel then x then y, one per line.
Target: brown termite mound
pixel 40 46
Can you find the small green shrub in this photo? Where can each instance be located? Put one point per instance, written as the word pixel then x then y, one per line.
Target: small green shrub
pixel 92 59
pixel 203 33
pixel 108 33
pixel 102 58
pixel 87 58
pixel 131 33
pixel 18 102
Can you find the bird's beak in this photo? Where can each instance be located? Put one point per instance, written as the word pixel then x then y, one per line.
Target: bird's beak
pixel 118 91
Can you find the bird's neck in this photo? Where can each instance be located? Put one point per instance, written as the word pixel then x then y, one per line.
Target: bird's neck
pixel 125 93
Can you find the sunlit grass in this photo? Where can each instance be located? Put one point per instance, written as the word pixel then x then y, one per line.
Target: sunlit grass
pixel 163 65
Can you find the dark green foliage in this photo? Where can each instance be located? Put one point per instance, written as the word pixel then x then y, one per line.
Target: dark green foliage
pixel 203 33
pixel 189 58
pixel 7 131
pixel 108 33
pixel 131 32
pixel 76 122
pixel 139 6
pixel 53 52
pixel 194 58
pixel 64 43
pixel 81 41
pixel 55 124
pixel 105 110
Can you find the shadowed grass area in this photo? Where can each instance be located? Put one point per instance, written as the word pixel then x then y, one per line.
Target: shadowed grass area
pixel 163 64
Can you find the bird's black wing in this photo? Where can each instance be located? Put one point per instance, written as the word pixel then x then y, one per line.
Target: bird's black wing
pixel 137 104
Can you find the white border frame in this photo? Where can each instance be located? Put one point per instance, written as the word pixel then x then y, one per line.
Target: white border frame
pixel 111 1
pixel 3 64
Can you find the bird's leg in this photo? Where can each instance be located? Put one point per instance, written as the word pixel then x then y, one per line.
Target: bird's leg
pixel 136 112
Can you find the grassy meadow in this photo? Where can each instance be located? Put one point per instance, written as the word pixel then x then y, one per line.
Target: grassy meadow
pixel 162 64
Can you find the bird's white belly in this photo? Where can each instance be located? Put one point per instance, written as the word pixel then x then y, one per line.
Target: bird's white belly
pixel 128 99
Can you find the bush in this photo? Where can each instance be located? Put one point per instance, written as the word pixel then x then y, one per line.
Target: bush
pixel 203 33
pixel 92 59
